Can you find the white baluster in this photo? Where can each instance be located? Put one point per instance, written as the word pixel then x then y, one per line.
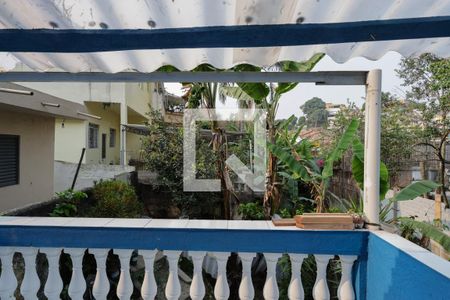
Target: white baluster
pixel 270 291
pixel 101 284
pixel 246 291
pixel 30 283
pixel 221 289
pixel 77 285
pixel 149 287
pixel 125 285
pixel 173 287
pixel 8 282
pixel 295 290
pixel 345 290
pixel 197 290
pixel 320 289
pixel 54 284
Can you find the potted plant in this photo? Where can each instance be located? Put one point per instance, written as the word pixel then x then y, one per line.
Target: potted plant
pixel 357 212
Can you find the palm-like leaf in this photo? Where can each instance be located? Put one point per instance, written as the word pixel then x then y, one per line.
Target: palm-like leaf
pixel 415 189
pixel 344 143
pixel 429 231
pixel 235 92
pixel 291 66
pixel 297 168
pixel 358 169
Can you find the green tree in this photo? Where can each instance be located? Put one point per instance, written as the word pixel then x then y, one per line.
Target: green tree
pixel 428 78
pixel 399 128
pixel 299 164
pixel 315 112
pixel 164 156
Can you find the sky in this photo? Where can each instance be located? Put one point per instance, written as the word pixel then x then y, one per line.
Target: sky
pixel 290 102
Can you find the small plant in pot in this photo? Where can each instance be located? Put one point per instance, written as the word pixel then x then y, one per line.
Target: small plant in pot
pixel 357 212
pixel 358 219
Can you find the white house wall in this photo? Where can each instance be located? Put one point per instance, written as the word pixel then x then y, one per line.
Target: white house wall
pixel 35 161
pixel 71 139
pixel 80 92
pixel 138 96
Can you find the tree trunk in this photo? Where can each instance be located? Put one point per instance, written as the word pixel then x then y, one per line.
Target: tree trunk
pixel 424 175
pixel 271 195
pixel 443 185
pixel 218 144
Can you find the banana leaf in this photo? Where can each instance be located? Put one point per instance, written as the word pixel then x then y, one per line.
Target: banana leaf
pixel 358 169
pixel 415 189
pixel 344 143
pixel 291 66
pixel 296 168
pixel 429 231
pixel 235 92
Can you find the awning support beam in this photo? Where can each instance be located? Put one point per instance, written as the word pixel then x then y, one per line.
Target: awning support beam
pixel 322 78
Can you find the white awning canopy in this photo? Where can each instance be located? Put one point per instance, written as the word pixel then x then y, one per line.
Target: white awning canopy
pixel 154 15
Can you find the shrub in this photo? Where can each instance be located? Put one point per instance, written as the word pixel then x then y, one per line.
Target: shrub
pixel 69 201
pixel 64 210
pixel 251 211
pixel 115 199
pixel 72 196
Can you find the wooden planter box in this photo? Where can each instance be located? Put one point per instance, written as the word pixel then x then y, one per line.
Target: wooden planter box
pixel 337 221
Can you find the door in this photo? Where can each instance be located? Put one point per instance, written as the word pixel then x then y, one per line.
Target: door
pixel 103 145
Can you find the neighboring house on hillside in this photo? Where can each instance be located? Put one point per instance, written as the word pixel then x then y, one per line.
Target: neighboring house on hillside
pixel 27 132
pixel 110 107
pixel 173 107
pixel 333 110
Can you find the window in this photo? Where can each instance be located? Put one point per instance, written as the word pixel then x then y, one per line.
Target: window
pixel 9 160
pixel 93 136
pixel 112 137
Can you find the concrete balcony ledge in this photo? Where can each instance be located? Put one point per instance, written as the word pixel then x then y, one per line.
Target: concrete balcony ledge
pixel 177 234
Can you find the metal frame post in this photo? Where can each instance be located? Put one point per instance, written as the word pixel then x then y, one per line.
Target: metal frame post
pixel 123 133
pixel 372 142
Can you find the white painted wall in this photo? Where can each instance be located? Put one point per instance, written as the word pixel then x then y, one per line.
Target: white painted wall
pixel 36 159
pixel 71 139
pixel 138 96
pixel 80 92
pixel 88 174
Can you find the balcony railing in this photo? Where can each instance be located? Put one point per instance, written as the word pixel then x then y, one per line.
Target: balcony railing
pixel 373 266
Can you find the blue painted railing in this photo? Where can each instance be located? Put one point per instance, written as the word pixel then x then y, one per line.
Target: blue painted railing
pixel 380 265
pixel 273 241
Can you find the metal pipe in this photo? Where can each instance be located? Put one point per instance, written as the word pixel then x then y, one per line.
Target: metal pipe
pixel 20 92
pixel 123 136
pixel 50 104
pixel 78 168
pixel 372 149
pixel 89 115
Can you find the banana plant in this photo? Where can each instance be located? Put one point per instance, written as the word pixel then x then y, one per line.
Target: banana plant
pixel 267 96
pixel 301 165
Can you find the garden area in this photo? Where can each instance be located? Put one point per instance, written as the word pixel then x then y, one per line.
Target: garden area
pixel 309 160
